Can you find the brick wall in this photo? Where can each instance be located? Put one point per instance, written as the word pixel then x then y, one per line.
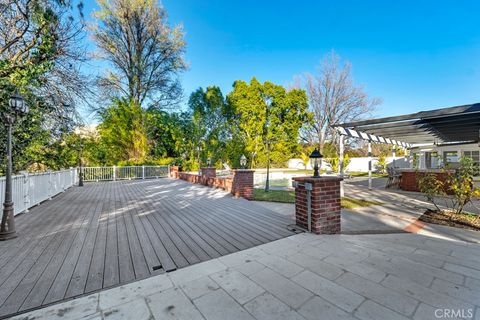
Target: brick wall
pixel 209 172
pixel 174 170
pixel 215 182
pixel 240 184
pixel 243 183
pixel 325 204
pixel 410 179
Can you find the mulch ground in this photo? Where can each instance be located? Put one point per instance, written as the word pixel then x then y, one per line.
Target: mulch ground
pixel 451 219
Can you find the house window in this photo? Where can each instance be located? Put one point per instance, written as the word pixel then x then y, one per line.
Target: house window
pixel 431 160
pixel 474 155
pixel 450 157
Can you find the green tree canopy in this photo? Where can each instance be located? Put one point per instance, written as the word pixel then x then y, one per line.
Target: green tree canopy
pixel 267 113
pixel 40 57
pixel 209 114
pixel 121 131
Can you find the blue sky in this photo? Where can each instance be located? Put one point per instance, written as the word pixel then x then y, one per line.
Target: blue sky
pixel 415 55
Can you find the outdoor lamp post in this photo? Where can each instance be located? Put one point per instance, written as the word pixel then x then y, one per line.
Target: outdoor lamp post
pixel 80 165
pixel 267 182
pixel 199 150
pixel 316 162
pixel 18 108
pixel 243 161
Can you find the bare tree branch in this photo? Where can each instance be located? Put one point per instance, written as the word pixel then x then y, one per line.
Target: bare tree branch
pixel 333 99
pixel 145 53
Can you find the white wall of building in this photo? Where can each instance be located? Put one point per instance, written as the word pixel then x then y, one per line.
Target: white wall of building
pixel 459 149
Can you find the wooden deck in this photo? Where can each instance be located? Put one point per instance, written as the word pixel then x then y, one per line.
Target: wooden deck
pixel 111 233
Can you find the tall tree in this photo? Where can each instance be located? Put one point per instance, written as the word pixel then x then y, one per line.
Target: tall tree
pixel 334 98
pixel 168 133
pixel 144 52
pixel 209 120
pixel 121 131
pixel 267 114
pixel 41 56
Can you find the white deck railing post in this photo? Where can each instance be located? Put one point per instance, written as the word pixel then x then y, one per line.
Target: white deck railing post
pixel 26 190
pixel 30 189
pixel 369 165
pixel 114 173
pixel 341 164
pixel 50 185
pixel 72 179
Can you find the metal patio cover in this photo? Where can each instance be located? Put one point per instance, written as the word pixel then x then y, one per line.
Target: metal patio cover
pixel 459 124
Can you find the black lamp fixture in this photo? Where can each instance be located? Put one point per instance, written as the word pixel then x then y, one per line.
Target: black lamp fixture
pixel 17 105
pixel 18 109
pixel 243 161
pixel 316 162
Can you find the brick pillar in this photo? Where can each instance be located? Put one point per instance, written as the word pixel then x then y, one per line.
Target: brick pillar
pixel 242 184
pixel 174 172
pixel 209 172
pixel 324 203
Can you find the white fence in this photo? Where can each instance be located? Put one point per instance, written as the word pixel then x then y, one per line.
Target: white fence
pixel 114 173
pixel 30 189
pixel 360 164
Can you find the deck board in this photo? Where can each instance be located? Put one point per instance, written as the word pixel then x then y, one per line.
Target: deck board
pixel 105 234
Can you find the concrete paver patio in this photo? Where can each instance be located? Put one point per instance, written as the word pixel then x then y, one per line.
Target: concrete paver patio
pixel 387 276
pixel 398 212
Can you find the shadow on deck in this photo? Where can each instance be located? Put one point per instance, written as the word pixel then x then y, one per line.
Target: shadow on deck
pixel 112 233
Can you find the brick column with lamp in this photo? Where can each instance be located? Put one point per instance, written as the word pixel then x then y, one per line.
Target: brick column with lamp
pixel 242 181
pixel 174 172
pixel 208 172
pixel 317 200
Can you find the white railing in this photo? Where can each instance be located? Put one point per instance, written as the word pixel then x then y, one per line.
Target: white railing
pixel 114 173
pixel 30 189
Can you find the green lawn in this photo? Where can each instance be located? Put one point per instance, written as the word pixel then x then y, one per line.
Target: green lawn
pixel 274 195
pixel 288 196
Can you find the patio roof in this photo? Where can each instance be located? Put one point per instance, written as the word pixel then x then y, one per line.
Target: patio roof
pixel 460 124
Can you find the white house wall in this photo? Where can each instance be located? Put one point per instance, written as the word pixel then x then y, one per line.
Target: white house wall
pixel 441 149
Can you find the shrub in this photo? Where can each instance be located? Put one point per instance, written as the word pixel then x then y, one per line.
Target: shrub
pixel 346 162
pixel 334 163
pixel 381 164
pixel 462 185
pixel 148 162
pixel 459 184
pixel 432 188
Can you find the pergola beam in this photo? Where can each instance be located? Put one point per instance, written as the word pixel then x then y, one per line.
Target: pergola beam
pixel 370 137
pixel 426 115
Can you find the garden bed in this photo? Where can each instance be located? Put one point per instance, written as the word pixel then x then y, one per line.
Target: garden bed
pixel 447 218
